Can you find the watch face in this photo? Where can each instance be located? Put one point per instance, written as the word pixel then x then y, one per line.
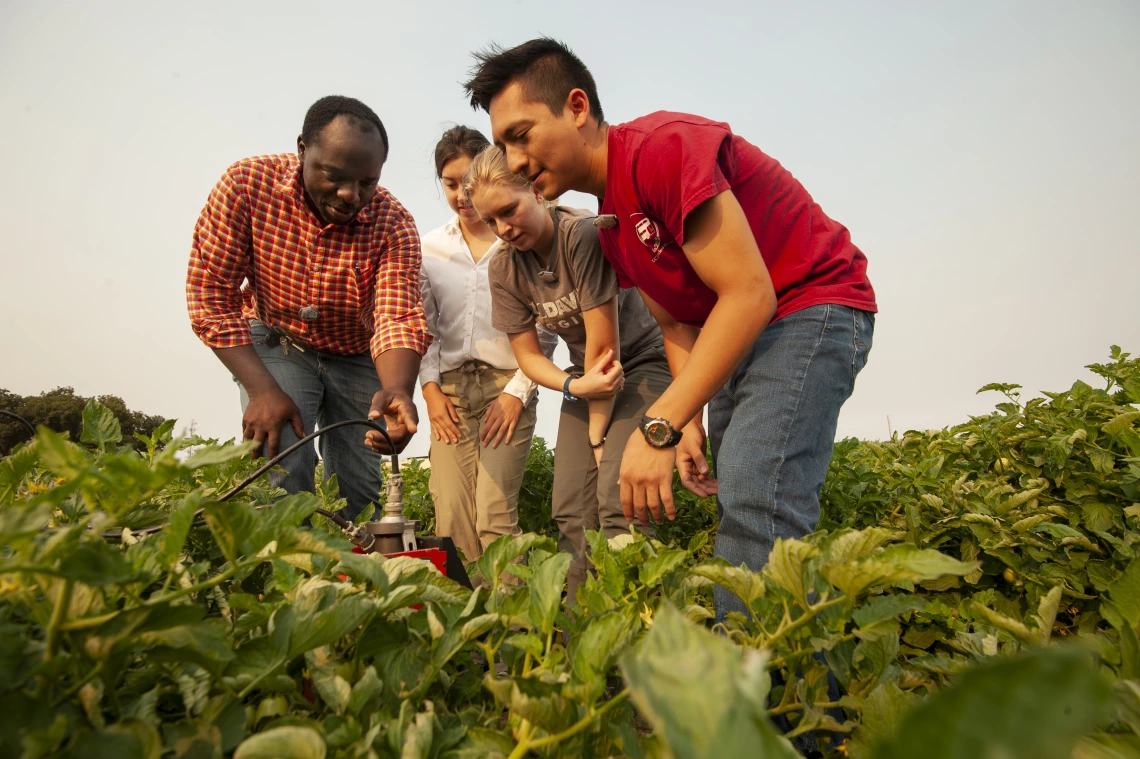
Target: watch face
pixel 657 433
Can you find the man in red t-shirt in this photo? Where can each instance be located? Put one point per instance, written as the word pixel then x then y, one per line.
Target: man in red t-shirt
pixel 763 300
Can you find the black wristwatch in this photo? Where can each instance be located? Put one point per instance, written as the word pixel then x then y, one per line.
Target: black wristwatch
pixel 659 433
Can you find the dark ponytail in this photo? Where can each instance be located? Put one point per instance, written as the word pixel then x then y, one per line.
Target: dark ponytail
pixel 455 142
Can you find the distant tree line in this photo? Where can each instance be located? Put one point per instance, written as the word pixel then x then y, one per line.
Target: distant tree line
pixel 62 410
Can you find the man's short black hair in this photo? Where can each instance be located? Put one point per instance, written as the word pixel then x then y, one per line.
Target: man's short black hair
pixel 545 67
pixel 322 113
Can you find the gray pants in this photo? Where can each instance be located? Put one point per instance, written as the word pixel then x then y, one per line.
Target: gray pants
pixel 584 498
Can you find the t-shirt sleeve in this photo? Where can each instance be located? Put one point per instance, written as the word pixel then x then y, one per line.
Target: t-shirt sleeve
pixel 679 166
pixel 594 277
pixel 509 311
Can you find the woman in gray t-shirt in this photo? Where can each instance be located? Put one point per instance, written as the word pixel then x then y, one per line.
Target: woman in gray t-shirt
pixel 553 274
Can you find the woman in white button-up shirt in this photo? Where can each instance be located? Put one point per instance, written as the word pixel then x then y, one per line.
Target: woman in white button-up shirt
pixel 481 407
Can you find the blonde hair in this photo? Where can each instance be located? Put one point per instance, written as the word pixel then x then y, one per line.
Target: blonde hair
pixel 489 168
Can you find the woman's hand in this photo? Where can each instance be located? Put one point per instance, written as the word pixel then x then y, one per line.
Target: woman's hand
pixel 442 414
pixel 502 417
pixel 604 380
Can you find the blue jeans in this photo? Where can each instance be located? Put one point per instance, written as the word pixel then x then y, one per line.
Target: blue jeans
pixel 772 428
pixel 327 389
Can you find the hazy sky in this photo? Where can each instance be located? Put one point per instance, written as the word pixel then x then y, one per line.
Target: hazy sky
pixel 984 155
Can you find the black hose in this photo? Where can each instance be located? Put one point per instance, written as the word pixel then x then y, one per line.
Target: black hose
pixel 309 438
pixel 338 520
pixel 21 420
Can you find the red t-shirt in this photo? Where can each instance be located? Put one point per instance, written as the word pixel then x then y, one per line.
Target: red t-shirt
pixel 663 165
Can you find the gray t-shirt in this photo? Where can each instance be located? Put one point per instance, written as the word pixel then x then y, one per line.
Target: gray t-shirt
pixel 582 279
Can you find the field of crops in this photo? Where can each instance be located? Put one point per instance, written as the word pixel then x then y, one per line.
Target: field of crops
pixel 971 592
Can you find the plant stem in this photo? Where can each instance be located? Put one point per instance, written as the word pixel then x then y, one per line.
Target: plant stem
pixel 265 673
pixel 807 616
pixel 95 672
pixel 57 615
pixel 797 707
pixel 524 741
pixel 51 638
pixel 581 724
pixel 88 622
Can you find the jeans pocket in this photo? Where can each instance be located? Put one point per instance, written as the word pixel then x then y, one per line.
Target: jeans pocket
pixel 862 327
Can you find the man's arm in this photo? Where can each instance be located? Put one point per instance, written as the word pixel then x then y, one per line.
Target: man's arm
pixel 219 261
pixel 691 462
pixel 722 251
pixel 400 334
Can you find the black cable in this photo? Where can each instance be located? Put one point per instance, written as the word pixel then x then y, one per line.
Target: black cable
pixel 281 456
pixel 338 520
pixel 21 420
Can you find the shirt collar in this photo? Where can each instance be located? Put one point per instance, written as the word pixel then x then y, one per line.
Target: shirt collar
pixel 292 185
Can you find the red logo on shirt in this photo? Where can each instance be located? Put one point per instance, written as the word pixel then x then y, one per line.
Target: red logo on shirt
pixel 649 234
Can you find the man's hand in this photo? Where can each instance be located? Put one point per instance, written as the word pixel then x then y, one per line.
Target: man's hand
pixel 442 414
pixel 400 416
pixel 266 414
pixel 647 480
pixel 691 462
pixel 502 418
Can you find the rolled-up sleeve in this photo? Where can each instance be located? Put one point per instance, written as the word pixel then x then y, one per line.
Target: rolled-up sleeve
pixel 219 262
pixel 399 315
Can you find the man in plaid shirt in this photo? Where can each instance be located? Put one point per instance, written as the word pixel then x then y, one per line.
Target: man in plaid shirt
pixel 329 323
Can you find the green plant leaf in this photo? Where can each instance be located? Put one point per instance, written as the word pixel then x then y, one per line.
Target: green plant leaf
pixel 232 523
pixel 651 572
pixel 595 650
pixel 741 581
pixel 857 544
pixel 1120 422
pixel 366 689
pixel 882 711
pixel 882 608
pixel 289 742
pixel 95 563
pixel 535 700
pixel 1032 707
pixel 1099 517
pixel 786 566
pixel 507 548
pixel 174 535
pixel 332 688
pixel 546 586
pixel 325 618
pixel 1125 594
pixel 704 696
pixel 100 426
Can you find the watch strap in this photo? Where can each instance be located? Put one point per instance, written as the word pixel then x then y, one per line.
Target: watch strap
pixel 674 434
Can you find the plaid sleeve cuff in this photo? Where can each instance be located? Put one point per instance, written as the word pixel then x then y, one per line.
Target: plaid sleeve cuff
pixel 412 335
pixel 223 333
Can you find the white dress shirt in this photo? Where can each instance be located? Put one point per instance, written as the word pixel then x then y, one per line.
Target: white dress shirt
pixel 457 304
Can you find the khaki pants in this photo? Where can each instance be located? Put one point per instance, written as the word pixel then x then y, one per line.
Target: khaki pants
pixel 475 487
pixel 584 498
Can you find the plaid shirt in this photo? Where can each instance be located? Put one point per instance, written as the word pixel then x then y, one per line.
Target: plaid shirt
pixel 361 278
